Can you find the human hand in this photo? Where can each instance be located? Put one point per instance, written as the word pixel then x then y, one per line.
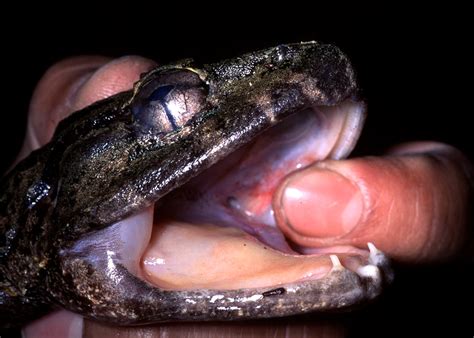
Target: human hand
pixel 413 204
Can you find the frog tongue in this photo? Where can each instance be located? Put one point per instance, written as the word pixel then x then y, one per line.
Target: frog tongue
pixel 205 256
pixel 218 231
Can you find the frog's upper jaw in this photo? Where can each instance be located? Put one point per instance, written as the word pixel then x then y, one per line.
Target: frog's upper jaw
pixel 212 249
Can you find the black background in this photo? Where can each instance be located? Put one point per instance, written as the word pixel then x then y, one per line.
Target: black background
pixel 414 68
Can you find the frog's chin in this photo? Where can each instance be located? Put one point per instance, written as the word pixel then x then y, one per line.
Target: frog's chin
pixel 219 231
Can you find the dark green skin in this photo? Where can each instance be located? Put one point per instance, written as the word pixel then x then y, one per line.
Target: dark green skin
pixel 53 198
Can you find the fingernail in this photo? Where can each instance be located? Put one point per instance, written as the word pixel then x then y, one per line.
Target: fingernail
pixel 319 203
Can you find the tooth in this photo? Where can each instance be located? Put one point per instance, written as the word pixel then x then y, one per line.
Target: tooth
pixel 336 263
pixel 373 249
pixel 376 257
pixel 369 271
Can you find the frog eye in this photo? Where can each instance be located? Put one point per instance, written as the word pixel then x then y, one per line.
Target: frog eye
pixel 169 100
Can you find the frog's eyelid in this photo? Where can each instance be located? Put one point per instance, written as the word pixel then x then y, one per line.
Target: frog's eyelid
pixel 168 100
pixel 147 77
pixel 200 72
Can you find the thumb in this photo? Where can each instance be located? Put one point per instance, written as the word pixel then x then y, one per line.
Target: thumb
pixel 412 204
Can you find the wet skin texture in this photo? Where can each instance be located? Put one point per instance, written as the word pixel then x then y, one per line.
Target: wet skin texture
pixel 112 159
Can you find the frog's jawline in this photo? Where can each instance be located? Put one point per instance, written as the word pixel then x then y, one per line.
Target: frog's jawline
pixel 338 288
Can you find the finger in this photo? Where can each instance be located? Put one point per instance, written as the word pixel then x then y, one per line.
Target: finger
pixel 56 324
pixel 73 84
pixel 281 327
pixel 413 203
pixel 52 97
pixel 68 86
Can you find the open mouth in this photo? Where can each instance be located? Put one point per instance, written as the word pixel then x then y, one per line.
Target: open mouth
pixel 223 229
pixel 219 230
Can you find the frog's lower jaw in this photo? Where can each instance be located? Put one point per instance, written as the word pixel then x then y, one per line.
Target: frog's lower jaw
pixel 124 299
pixel 216 252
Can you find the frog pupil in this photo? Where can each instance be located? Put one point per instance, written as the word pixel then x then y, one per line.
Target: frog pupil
pixel 160 95
pixel 167 102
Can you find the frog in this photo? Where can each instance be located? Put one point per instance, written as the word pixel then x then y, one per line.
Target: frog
pixel 60 206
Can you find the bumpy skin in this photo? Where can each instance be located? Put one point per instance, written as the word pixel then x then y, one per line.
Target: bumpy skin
pixel 103 164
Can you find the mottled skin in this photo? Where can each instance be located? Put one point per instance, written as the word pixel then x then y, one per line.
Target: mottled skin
pixel 103 164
